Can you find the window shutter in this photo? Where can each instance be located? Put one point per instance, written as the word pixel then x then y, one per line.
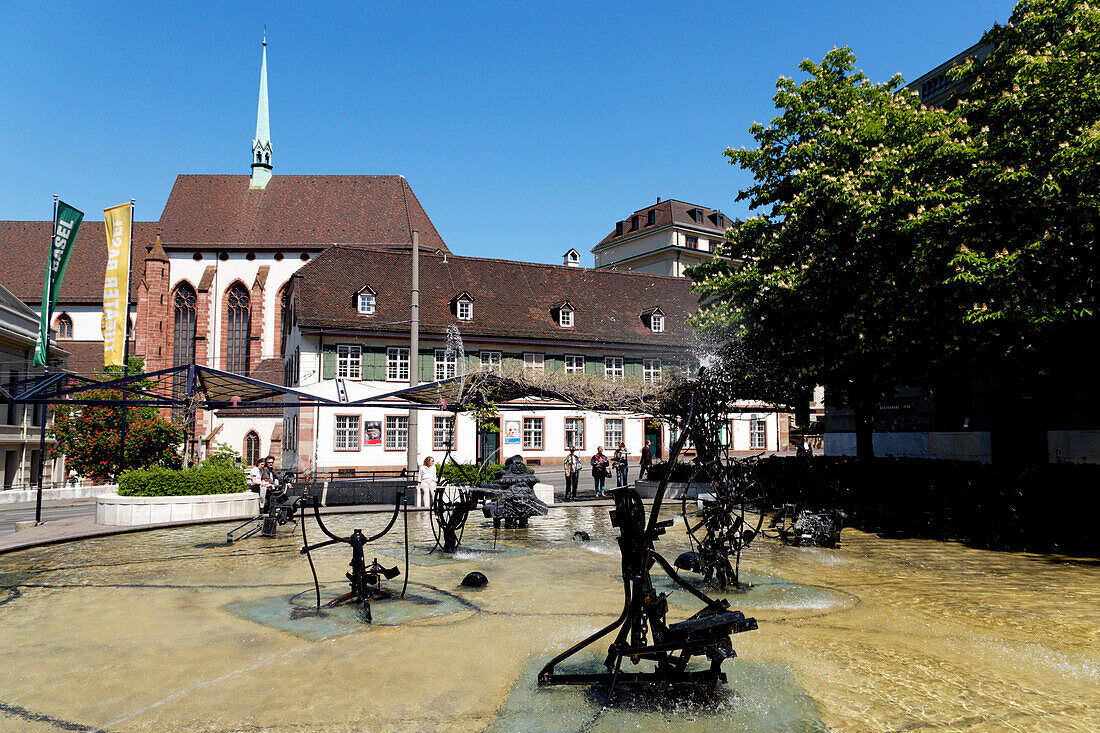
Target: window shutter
pixel 328 361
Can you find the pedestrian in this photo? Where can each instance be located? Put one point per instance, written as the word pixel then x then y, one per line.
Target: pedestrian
pixel 807 449
pixel 646 462
pixel 621 465
pixel 268 482
pixel 425 483
pixel 600 470
pixel 256 480
pixel 572 474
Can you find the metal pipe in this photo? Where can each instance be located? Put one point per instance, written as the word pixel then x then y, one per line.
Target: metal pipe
pixel 414 351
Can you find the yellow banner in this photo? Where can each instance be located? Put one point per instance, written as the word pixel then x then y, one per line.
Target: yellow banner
pixel 119 222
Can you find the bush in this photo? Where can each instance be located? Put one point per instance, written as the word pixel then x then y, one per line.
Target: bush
pixel 156 481
pixel 680 471
pixel 467 472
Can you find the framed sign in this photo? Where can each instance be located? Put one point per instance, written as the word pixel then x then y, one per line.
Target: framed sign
pixel 372 432
pixel 512 432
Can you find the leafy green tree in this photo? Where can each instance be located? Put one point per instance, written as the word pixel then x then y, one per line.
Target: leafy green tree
pixel 90 435
pixel 838 277
pixel 1027 234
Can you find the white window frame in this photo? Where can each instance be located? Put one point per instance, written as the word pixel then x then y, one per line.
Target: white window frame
pixel 565 317
pixel 396 432
pixel 758 433
pixel 366 304
pixel 349 361
pixel 534 433
pixel 613 368
pixel 445 364
pixel 343 438
pixel 574 364
pixel 464 310
pixel 610 442
pixel 491 361
pixel 651 371
pixel 397 364
pixel 534 362
pixel 576 428
pixel 443 428
pixel 657 323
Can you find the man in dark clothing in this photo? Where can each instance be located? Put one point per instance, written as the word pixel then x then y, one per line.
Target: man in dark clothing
pixel 646 462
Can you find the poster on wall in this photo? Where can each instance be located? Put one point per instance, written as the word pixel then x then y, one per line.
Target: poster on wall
pixel 372 432
pixel 511 432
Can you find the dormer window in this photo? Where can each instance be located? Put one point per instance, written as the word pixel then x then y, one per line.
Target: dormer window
pixel 365 301
pixel 720 220
pixel 565 317
pixel 618 229
pixel 696 215
pixel 463 306
pixel 657 323
pixel 651 217
pixel 634 223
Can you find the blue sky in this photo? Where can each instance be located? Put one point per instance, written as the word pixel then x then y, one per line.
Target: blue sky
pixel 524 128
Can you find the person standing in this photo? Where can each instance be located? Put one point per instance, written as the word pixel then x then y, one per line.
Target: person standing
pixel 572 474
pixel 256 480
pixel 268 482
pixel 425 483
pixel 646 463
pixel 621 465
pixel 600 470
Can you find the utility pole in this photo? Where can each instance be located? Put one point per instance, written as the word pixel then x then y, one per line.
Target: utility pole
pixel 414 351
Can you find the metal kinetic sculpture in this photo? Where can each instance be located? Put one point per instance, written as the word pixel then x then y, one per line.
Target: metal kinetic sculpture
pixel 643 633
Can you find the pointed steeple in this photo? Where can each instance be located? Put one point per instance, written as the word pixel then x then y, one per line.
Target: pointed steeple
pixel 261 146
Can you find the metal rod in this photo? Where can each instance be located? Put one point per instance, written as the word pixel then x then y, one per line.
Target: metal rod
pixel 414 350
pixel 126 340
pixel 41 468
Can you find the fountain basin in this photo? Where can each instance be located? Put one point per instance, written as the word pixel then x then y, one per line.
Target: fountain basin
pixel 133 511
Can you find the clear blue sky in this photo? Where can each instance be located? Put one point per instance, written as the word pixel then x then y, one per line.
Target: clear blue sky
pixel 525 129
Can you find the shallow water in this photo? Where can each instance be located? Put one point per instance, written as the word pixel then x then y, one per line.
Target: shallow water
pixel 174 630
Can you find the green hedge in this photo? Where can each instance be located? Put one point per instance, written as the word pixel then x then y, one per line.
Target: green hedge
pixel 681 472
pixel 216 479
pixel 465 472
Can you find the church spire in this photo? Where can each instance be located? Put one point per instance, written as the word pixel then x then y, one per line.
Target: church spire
pixel 261 146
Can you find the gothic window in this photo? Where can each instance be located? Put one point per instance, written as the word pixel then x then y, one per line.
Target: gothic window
pixel 183 340
pixel 64 326
pixel 239 327
pixel 252 448
pixel 284 324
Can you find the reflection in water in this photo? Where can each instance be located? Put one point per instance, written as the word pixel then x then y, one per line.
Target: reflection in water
pixel 172 629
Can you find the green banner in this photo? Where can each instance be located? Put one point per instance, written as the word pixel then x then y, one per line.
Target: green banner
pixel 66 223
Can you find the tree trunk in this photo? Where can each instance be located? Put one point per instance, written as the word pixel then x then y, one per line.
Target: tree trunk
pixel 864 408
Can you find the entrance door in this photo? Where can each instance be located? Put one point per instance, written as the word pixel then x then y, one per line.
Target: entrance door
pixel 653 434
pixel 488 440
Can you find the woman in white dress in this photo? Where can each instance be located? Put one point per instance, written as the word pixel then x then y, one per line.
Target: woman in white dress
pixel 425 483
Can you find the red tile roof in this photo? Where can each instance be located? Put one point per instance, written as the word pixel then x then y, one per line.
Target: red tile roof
pixel 668 212
pixel 511 299
pixel 23 246
pixel 307 211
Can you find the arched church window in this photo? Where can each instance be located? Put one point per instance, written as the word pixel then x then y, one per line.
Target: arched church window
pixel 259 158
pixel 252 448
pixel 239 322
pixel 64 326
pixel 183 339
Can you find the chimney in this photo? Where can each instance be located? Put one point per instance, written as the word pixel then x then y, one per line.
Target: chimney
pixel 658 199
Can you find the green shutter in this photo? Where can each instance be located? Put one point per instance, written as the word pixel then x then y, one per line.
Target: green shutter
pixel 632 367
pixel 328 361
pixel 427 365
pixel 593 366
pixel 554 363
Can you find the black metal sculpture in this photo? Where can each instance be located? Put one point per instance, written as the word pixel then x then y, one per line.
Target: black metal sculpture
pixel 365 579
pixel 644 634
pixel 801 527
pixel 279 509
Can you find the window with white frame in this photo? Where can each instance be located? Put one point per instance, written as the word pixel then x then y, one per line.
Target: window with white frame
pixel 613 368
pixel 397 432
pixel 347 432
pixel 349 362
pixel 612 433
pixel 533 362
pixel 574 364
pixel 491 361
pixel 565 317
pixel 758 433
pixel 397 364
pixel 574 433
pixel 443 428
pixel 532 433
pixel 657 323
pixel 446 364
pixel 366 304
pixel 465 310
pixel 651 371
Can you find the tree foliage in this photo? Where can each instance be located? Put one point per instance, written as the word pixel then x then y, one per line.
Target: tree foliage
pixel 1027 251
pixel 90 435
pixel 839 276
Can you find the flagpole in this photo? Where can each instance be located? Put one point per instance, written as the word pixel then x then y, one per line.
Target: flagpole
pixel 47 305
pixel 126 343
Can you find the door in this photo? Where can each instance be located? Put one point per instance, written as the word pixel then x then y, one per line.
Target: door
pixel 653 434
pixel 488 440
